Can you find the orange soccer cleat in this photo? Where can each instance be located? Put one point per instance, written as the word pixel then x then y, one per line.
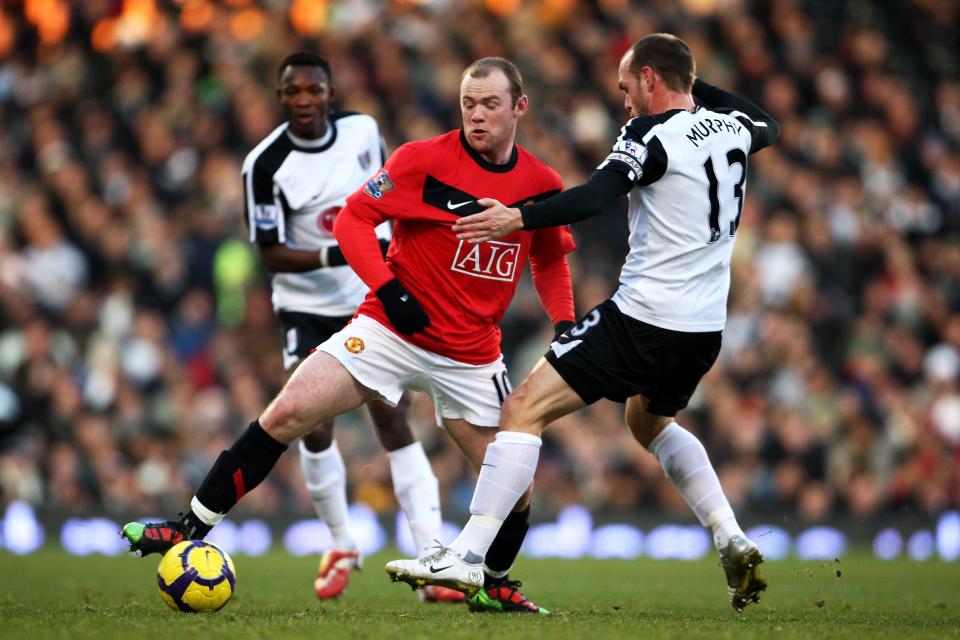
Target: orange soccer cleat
pixel 334 572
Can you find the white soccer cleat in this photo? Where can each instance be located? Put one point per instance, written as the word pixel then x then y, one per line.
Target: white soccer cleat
pixel 445 568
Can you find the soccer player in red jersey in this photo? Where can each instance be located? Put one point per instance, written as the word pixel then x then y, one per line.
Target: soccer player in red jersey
pixel 430 321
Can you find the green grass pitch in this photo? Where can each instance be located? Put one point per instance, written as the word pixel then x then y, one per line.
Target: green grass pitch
pixel 52 595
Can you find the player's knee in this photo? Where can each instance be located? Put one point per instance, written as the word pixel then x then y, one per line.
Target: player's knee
pixel 394 432
pixel 517 413
pixel 287 417
pixel 320 438
pixel 646 429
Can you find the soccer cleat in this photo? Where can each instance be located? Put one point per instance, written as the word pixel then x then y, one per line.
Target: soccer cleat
pixel 334 572
pixel 443 569
pixel 741 562
pixel 153 537
pixel 431 593
pixel 501 594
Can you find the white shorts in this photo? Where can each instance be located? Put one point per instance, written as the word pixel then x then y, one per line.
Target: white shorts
pixel 383 361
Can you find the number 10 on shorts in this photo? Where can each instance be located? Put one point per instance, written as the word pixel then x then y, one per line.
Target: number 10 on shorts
pixel 502 384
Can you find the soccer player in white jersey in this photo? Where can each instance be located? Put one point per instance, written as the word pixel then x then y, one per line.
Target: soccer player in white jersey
pixel 295 182
pixel 684 167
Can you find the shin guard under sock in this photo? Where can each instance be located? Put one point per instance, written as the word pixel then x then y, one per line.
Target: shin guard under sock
pixel 238 470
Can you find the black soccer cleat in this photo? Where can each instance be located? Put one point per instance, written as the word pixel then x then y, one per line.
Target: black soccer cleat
pixel 503 595
pixel 153 537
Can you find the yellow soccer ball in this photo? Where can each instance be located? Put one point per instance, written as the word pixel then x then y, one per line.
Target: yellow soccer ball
pixel 196 575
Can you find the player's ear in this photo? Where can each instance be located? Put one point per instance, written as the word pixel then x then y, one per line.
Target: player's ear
pixel 648 79
pixel 523 103
pixel 331 92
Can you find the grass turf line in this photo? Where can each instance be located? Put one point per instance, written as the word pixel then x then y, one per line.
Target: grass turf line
pixel 53 595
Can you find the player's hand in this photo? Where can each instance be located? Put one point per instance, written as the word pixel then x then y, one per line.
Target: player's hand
pixel 495 222
pixel 405 313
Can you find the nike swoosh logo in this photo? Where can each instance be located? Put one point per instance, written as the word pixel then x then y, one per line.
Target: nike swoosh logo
pixel 452 206
pixel 439 569
pixel 488 465
pixel 404 298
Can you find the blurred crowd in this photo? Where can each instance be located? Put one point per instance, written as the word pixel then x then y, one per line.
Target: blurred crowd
pixel 136 333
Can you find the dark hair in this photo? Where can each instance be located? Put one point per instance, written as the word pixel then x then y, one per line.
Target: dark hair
pixel 485 66
pixel 304 59
pixel 669 56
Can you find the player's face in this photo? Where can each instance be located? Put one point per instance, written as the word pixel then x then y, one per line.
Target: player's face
pixel 635 99
pixel 305 95
pixel 489 115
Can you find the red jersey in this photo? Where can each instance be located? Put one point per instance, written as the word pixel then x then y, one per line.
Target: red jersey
pixel 464 288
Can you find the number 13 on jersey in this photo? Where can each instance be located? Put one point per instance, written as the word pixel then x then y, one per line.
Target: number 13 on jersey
pixel 734 157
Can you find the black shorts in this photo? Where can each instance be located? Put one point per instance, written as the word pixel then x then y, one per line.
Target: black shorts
pixel 611 355
pixel 303 332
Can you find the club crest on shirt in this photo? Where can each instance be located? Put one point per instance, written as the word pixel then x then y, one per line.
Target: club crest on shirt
pixel 379 185
pixel 364 160
pixel 325 220
pixel 353 344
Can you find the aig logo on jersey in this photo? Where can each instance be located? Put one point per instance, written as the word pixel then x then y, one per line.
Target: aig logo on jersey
pixel 266 216
pixel 491 260
pixel 379 185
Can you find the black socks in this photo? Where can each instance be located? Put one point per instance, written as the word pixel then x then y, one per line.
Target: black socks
pixel 509 539
pixel 238 470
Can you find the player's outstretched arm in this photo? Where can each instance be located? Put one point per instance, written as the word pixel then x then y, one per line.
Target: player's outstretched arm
pixel 764 127
pixel 573 205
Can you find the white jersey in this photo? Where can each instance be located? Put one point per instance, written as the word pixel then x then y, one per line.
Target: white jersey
pixel 689 171
pixel 294 189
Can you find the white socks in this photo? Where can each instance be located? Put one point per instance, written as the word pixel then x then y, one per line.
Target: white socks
pixel 326 479
pixel 686 464
pixel 418 493
pixel 508 468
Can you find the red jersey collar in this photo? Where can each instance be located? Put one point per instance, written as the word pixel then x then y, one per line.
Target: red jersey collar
pixel 489 166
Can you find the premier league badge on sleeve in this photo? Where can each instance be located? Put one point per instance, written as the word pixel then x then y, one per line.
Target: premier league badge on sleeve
pixel 379 185
pixel 266 216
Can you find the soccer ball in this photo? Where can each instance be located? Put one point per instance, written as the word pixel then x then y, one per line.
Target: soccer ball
pixel 196 575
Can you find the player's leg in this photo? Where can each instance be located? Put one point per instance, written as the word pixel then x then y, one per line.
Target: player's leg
pixel 324 472
pixel 510 461
pixel 499 592
pixel 686 464
pixel 414 483
pixel 684 359
pixel 319 389
pixel 325 476
pixel 506 475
